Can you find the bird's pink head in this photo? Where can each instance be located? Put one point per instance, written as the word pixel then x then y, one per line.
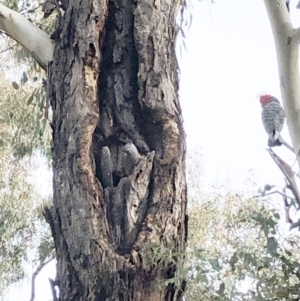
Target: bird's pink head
pixel 265 99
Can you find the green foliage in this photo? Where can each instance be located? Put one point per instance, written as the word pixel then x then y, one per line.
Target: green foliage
pixel 25 137
pixel 24 127
pixel 20 222
pixel 235 247
pixel 24 108
pixel 12 4
pixel 21 229
pixel 236 253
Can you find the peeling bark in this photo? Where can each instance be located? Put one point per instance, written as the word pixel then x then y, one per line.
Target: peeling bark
pixel 119 151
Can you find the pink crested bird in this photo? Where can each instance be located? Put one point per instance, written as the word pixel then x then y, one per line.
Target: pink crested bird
pixel 273 117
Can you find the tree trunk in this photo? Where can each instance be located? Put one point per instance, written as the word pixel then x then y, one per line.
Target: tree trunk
pixel 287 40
pixel 119 152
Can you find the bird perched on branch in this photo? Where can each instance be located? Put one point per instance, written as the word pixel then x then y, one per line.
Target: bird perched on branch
pixel 273 119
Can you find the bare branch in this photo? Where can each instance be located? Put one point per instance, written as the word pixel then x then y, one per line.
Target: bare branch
pixel 52 285
pixel 35 274
pixel 9 48
pixel 285 144
pixel 278 15
pixel 287 172
pixel 288 218
pixel 273 192
pixel 23 12
pixel 295 225
pixel 32 38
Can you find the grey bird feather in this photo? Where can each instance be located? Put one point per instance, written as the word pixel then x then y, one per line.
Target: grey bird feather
pixel 273 118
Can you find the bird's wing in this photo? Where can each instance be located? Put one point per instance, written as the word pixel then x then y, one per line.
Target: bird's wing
pixel 267 117
pixel 279 120
pixel 273 118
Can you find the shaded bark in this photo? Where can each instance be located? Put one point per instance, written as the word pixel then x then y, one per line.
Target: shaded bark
pixel 119 151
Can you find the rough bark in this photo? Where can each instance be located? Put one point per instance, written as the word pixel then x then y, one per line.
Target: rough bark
pixel 287 47
pixel 119 151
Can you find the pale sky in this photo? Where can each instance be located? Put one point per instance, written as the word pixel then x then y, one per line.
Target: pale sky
pixel 230 58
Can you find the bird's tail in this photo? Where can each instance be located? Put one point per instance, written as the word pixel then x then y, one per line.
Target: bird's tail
pixel 272 143
pixel 279 141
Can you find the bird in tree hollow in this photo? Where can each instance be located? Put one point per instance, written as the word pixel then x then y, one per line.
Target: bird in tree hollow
pixel 273 119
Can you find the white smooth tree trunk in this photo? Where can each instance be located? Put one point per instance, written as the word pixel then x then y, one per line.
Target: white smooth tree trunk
pixel 287 41
pixel 32 38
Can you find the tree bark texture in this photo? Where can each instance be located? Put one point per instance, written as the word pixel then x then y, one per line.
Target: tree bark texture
pixel 119 151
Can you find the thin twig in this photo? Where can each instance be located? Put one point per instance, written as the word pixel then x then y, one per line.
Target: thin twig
pixel 31 10
pixel 285 144
pixel 287 172
pixel 9 48
pixel 295 225
pixel 288 219
pixel 34 277
pixel 273 192
pixel 53 290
